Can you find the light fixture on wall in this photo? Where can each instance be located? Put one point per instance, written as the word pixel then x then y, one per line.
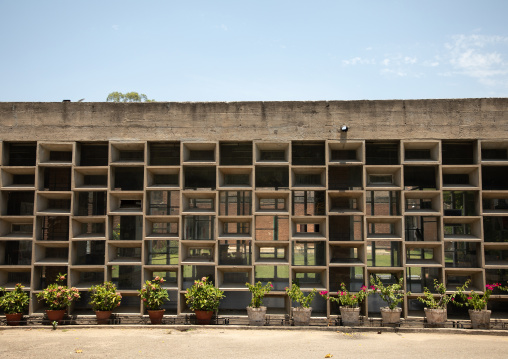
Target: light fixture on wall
pixel 344 128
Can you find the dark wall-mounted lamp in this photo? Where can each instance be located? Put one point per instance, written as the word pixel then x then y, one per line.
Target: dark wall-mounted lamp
pixel 344 128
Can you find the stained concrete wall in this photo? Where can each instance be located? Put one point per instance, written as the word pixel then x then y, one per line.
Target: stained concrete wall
pixel 278 121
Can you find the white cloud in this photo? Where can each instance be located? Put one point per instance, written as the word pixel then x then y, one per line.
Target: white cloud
pixel 399 73
pixel 115 27
pixel 478 56
pixel 410 60
pixel 358 61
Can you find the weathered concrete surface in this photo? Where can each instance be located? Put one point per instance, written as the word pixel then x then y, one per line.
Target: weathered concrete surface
pixel 278 121
pixel 221 343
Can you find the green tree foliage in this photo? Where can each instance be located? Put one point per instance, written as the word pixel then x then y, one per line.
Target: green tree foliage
pixel 128 97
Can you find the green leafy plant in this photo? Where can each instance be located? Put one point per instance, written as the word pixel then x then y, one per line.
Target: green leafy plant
pixel 58 296
pixel 103 297
pixel 392 294
pixel 295 293
pixel 473 299
pixel 347 299
pixel 15 301
pixel 258 292
pixel 437 302
pixel 153 295
pixel 203 295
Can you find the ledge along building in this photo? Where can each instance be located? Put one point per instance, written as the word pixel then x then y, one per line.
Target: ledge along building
pixel 319 192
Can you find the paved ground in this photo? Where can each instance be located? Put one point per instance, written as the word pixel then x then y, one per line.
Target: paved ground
pixel 205 343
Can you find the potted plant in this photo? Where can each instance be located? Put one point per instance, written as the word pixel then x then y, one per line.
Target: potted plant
pixel 301 314
pixel 103 299
pixel 58 298
pixel 204 299
pixel 14 303
pixel 435 310
pixel 479 315
pixel 349 303
pixel 153 296
pixel 255 311
pixel 392 294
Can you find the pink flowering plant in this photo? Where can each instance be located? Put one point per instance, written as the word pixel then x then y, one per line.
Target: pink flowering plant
pixel 58 296
pixel 438 301
pixel 295 293
pixel 103 297
pixel 392 294
pixel 347 299
pixel 15 301
pixel 474 299
pixel 203 295
pixel 258 291
pixel 153 295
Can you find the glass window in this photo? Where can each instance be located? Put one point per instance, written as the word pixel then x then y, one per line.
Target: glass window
pixel 235 203
pixel 199 227
pixel 91 203
pixel 345 228
pixel 278 275
pixel 272 228
pixel 383 254
pixel 459 203
pixel 383 203
pixel 307 203
pixel 419 228
pixel 162 252
pixel 309 253
pixel 235 252
pixel 127 228
pixel 89 252
pixel 461 255
pixel 495 229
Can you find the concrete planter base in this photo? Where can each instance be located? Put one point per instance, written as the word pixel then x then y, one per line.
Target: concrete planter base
pixel 391 316
pixel 256 315
pixel 435 316
pixel 350 316
pixel 480 319
pixel 301 316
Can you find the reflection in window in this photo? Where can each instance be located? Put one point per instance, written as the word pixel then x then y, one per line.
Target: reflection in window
pixel 308 253
pixel 235 252
pixel 163 202
pixel 461 255
pixel 383 254
pixel 459 203
pixel 420 228
pixel 162 252
pixel 235 203
pixel 199 227
pixel 308 203
pixel 383 203
pixel 272 228
pixel 127 228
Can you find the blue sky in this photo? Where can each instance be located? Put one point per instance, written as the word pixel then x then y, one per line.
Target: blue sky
pixel 253 50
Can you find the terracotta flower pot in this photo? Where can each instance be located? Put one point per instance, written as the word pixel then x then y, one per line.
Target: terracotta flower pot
pixel 203 316
pixel 350 316
pixel 103 316
pixel 391 316
pixel 14 319
pixel 301 316
pixel 55 315
pixel 480 319
pixel 156 316
pixel 436 316
pixel 256 315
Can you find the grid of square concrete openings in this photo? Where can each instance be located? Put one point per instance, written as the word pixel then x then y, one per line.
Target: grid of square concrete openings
pixel 320 212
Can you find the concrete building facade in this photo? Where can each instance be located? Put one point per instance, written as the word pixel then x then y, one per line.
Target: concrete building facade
pixel 255 191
